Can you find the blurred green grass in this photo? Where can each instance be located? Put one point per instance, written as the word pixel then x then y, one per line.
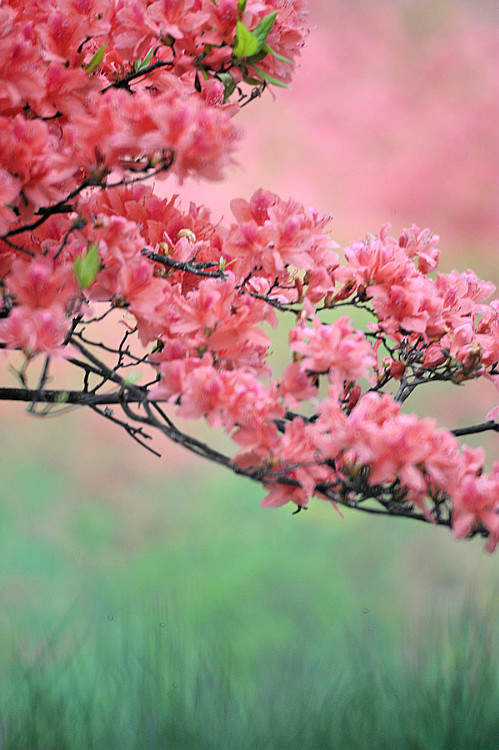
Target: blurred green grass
pixel 141 679
pixel 283 630
pixel 198 536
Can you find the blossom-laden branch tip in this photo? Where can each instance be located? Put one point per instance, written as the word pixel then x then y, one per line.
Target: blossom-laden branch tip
pixel 92 104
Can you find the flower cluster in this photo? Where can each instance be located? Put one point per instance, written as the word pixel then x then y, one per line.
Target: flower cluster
pixel 127 87
pixel 95 100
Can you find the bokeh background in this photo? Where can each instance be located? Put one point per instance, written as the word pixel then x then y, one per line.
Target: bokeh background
pixel 392 117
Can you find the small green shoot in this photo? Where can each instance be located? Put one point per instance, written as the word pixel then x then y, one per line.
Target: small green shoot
pixel 87 267
pixel 245 43
pixel 144 62
pixel 96 59
pixel 223 264
pixel 131 378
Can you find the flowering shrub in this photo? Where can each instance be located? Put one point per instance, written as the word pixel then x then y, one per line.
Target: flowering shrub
pixel 98 98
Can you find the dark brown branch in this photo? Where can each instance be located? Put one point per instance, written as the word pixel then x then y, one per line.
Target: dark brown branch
pixel 136 433
pixel 269 477
pixel 79 398
pixel 475 429
pixel 141 413
pixel 148 172
pixel 196 268
pixel 122 83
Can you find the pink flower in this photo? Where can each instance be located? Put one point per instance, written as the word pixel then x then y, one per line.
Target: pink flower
pixel 408 307
pixel 34 158
pixel 203 395
pixel 67 89
pixel 249 404
pixel 296 457
pixel 421 244
pixel 277 235
pixel 295 385
pixel 281 494
pixel 334 349
pixel 10 187
pixel 174 371
pixel 22 75
pixel 118 125
pixel 476 503
pixel 35 330
pixel 37 284
pixel 393 447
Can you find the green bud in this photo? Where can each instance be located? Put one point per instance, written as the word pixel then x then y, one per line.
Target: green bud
pixel 87 267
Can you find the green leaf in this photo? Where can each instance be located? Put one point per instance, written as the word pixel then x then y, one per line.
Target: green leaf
pixel 252 81
pixel 96 59
pixel 256 58
pixel 228 82
pixel 245 44
pixel 277 55
pixel 263 29
pixel 144 62
pixel 269 78
pixel 241 6
pixel 248 43
pixel 87 267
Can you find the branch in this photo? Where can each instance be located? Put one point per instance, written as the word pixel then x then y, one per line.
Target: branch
pixel 196 268
pixel 64 206
pixel 475 429
pixel 136 433
pixel 60 396
pixel 123 82
pixel 345 492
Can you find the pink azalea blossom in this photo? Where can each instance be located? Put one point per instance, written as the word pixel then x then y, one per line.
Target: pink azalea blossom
pixel 476 503
pixel 33 331
pixel 295 385
pixel 30 156
pixel 334 349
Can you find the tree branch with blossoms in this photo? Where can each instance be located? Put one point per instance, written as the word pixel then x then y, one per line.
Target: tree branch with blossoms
pixel 95 104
